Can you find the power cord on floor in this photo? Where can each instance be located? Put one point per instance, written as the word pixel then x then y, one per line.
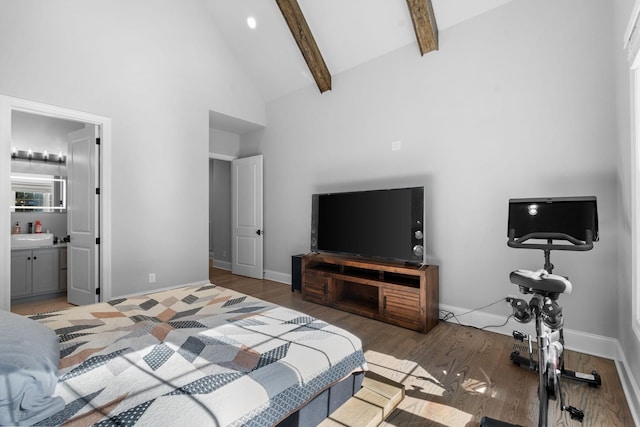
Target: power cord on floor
pixel 447 315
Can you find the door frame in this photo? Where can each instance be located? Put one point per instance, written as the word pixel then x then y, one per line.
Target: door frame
pixel 7 106
pixel 225 157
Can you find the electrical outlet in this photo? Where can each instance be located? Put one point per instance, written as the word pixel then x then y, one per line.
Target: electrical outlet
pixel 152 277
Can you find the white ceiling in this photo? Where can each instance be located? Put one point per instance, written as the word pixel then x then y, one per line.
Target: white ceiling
pixel 348 33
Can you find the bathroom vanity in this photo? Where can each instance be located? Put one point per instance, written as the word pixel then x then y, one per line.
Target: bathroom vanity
pixel 37 267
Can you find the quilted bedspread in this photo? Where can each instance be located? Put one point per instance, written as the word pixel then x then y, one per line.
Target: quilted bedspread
pixel 193 356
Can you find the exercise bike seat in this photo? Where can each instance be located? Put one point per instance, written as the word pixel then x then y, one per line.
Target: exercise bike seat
pixel 540 281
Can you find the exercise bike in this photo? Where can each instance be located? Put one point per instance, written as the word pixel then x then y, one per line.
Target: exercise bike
pixel 548 224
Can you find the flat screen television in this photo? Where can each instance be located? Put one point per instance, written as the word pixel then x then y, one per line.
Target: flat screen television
pixel 385 224
pixel 572 216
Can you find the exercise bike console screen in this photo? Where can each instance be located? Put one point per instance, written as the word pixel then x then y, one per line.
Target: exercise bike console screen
pixel 553 218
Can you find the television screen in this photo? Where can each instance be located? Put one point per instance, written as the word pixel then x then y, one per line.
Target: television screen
pixel 377 223
pixel 569 215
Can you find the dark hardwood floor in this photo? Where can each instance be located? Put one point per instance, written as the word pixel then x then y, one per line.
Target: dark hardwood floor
pixel 454 375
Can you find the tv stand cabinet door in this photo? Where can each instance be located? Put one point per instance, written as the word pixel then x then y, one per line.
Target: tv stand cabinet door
pixel 402 308
pixel 315 288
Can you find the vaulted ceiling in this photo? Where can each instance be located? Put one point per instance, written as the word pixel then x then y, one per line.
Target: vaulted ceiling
pixel 347 33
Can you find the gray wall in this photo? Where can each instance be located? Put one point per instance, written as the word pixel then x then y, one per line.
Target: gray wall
pixel 156 68
pixel 518 102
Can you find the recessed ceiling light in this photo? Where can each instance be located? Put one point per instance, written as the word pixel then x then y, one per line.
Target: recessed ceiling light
pixel 251 22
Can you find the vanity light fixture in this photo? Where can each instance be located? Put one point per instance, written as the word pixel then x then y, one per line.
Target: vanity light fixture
pixel 36 156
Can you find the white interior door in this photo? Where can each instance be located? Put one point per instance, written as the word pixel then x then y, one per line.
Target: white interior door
pixel 82 218
pixel 246 217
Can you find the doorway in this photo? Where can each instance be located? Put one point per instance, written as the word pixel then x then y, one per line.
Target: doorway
pixel 10 106
pixel 225 133
pixel 39 189
pixel 236 214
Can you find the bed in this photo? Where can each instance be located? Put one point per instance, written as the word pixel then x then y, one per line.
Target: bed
pixel 202 355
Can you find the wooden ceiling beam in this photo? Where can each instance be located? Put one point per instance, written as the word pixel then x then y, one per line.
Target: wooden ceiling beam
pixel 424 24
pixel 302 34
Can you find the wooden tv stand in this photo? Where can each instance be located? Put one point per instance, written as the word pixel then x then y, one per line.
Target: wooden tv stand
pixel 406 296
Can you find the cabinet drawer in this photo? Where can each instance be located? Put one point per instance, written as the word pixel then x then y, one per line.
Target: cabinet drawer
pixel 315 288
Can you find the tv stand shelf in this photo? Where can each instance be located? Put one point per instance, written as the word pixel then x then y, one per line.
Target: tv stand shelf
pixel 403 295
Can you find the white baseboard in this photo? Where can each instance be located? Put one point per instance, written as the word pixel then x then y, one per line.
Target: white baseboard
pixel 583 342
pixel 223 265
pixel 276 276
pixel 165 288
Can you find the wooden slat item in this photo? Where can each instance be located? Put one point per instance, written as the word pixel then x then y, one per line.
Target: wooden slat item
pixel 424 24
pixel 306 43
pixel 377 398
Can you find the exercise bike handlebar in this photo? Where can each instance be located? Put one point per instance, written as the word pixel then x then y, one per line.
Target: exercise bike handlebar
pixel 575 244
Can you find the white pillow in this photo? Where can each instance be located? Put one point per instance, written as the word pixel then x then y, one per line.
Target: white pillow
pixel 29 358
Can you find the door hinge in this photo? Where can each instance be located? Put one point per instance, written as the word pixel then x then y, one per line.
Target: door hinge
pixel 98 191
pixel 97 240
pixel 97 291
pixel 97 141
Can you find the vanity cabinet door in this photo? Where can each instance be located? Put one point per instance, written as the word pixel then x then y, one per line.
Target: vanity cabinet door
pixel 46 270
pixel 20 273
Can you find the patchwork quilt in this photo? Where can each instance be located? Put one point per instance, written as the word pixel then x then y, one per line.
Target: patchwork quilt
pixel 193 356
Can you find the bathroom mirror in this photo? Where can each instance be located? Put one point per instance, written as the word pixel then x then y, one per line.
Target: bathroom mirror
pixel 38 193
